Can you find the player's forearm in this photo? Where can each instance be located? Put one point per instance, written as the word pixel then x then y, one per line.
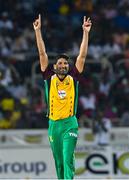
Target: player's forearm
pixel 40 42
pixel 41 49
pixel 84 45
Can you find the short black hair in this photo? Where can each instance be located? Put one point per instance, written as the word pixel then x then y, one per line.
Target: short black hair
pixel 65 56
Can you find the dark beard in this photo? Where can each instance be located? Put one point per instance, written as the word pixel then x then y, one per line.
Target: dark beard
pixel 57 71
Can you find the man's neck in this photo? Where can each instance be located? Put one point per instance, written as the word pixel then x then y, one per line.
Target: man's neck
pixel 61 77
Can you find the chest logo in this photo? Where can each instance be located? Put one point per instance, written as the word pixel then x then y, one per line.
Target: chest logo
pixel 62 94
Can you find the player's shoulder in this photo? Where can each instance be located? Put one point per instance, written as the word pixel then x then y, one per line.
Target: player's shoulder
pixel 48 72
pixel 73 70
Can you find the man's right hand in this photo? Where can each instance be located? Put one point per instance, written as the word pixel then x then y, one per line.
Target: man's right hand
pixel 37 23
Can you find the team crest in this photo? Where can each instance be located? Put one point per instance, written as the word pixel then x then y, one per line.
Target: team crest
pixel 66 82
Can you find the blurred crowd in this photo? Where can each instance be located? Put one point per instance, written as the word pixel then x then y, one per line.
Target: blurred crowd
pixel 104 86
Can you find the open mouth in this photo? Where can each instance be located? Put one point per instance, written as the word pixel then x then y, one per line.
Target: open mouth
pixel 62 71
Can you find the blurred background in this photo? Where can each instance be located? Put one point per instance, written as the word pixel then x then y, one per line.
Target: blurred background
pixel 105 81
pixel 104 85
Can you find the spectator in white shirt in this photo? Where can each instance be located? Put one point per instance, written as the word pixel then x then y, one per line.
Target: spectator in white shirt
pixel 101 129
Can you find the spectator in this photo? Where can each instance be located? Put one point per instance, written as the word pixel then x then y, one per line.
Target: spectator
pixel 101 129
pixel 124 120
pixel 5 22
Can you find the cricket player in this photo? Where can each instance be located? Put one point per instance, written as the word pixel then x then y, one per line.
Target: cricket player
pixel 61 92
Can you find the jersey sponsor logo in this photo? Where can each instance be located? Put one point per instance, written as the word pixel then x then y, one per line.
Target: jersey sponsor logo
pixel 62 94
pixel 73 134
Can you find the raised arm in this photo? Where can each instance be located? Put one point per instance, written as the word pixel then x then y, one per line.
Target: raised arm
pixel 84 44
pixel 40 44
